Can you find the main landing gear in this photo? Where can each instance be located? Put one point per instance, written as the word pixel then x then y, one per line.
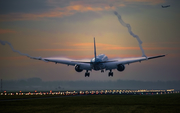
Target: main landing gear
pixel 102 71
pixel 87 73
pixel 110 73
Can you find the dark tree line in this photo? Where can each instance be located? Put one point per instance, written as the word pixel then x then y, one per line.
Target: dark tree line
pixel 38 84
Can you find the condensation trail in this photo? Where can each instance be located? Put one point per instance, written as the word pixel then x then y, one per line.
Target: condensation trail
pixel 12 48
pixel 130 32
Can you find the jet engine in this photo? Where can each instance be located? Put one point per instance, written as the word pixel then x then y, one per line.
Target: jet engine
pixel 77 68
pixel 120 67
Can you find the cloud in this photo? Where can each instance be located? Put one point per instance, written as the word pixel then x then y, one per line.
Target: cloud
pixel 89 47
pixel 31 16
pixel 162 44
pixel 121 5
pixel 57 12
pixel 162 48
pixel 6 31
pixel 69 7
pixel 60 49
pixel 151 2
pixel 101 46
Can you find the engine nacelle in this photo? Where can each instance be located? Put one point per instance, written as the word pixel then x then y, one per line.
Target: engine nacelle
pixel 120 67
pixel 77 68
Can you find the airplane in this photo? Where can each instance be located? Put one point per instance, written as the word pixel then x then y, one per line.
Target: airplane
pixel 100 62
pixel 165 6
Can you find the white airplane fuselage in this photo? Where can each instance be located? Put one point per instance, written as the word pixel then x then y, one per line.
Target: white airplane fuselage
pixel 96 63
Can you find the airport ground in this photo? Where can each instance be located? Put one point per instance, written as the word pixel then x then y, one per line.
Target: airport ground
pixel 165 103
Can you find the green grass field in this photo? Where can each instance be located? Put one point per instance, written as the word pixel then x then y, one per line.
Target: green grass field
pixel 167 103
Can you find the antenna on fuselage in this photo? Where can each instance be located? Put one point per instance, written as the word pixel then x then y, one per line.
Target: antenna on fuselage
pixel 94 49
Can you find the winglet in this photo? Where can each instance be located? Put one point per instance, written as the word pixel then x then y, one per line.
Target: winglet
pixel 94 49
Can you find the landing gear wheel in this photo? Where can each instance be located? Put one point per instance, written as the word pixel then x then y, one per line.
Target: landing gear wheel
pixel 87 74
pixel 110 74
pixel 102 71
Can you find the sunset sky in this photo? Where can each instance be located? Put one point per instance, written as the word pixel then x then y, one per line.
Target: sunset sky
pixel 65 28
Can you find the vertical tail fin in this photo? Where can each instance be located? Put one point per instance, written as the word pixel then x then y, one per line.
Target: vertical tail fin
pixel 94 49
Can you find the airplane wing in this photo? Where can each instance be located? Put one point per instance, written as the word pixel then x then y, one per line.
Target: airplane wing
pixel 72 62
pixel 61 60
pixel 135 59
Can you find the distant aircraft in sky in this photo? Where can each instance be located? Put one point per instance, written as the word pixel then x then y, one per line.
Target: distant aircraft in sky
pixel 100 62
pixel 165 6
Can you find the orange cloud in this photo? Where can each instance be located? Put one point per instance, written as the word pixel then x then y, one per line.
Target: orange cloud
pixel 31 16
pixel 82 8
pixel 60 49
pixel 117 47
pixel 100 46
pixel 161 43
pixel 5 31
pixel 161 48
pixel 121 5
pixel 72 8
pixel 57 12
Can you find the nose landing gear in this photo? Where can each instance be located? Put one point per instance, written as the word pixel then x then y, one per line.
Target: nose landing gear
pixel 102 71
pixel 110 73
pixel 87 73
